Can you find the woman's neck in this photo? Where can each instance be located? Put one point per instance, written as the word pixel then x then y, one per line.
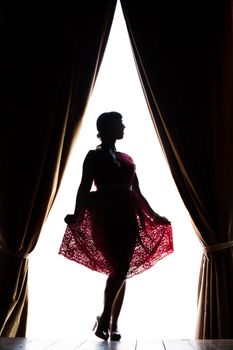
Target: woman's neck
pixel 107 145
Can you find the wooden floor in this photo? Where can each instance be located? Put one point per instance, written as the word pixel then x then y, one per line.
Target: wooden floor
pixel 96 344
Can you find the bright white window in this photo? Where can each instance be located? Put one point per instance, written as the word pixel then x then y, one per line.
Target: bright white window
pixel 64 297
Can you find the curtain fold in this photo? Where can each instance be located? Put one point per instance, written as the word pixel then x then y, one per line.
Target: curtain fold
pixel 183 54
pixel 50 59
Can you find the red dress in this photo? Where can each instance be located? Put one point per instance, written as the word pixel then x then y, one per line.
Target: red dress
pixel 116 232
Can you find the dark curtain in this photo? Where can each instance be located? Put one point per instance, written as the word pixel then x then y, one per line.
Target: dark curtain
pixel 50 58
pixel 183 52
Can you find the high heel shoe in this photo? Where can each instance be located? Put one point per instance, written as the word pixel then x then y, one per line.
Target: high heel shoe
pixel 100 331
pixel 115 335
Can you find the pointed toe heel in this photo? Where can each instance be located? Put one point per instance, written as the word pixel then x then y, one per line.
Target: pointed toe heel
pixel 115 336
pixel 100 331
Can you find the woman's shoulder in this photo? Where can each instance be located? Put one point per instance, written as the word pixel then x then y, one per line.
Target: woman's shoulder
pixel 125 156
pixel 90 156
pixel 97 154
pixel 93 154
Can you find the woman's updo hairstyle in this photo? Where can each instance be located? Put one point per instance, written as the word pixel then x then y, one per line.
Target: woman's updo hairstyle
pixel 106 121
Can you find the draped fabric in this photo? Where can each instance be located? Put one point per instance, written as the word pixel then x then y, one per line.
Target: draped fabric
pixel 49 62
pixel 50 57
pixel 183 52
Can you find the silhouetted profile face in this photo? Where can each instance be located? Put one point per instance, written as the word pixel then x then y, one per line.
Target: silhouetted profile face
pixel 110 126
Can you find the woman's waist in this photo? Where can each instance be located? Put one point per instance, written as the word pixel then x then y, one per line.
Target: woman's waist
pixel 114 187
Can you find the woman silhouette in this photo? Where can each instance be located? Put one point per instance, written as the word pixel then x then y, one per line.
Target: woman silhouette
pixel 113 230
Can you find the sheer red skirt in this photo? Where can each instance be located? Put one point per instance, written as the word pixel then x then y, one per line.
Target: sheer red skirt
pixel 116 234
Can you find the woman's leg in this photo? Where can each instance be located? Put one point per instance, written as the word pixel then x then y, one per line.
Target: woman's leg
pixel 102 325
pixel 114 292
pixel 116 309
pixel 116 285
pixel 111 303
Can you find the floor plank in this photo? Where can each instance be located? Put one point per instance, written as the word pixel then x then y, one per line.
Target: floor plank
pixel 177 344
pixel 98 344
pixel 13 343
pixel 108 345
pixel 39 344
pixel 64 344
pixel 212 344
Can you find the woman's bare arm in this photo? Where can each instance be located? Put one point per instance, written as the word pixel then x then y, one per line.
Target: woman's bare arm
pixel 84 187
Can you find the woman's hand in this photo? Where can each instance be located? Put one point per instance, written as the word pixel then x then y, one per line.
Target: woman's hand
pixel 162 219
pixel 165 220
pixel 69 219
